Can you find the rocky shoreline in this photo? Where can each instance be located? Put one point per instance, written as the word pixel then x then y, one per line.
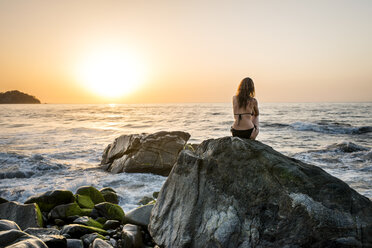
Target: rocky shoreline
pixel 225 192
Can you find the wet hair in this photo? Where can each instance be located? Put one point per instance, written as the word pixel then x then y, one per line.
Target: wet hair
pixel 245 92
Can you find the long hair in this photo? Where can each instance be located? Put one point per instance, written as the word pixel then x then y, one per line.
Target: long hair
pixel 245 92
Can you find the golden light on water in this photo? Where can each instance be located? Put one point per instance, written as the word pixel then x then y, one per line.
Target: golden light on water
pixel 111 73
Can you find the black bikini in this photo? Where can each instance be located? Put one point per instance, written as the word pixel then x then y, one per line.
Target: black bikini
pixel 242 133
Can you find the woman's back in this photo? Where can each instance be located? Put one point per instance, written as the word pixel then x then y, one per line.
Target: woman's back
pixel 243 115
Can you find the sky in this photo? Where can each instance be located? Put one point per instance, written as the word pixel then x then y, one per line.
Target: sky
pixel 89 51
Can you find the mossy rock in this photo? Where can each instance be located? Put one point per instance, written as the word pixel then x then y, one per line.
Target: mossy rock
pixel 48 200
pixel 110 211
pixel 110 195
pixel 84 201
pixel 145 200
pixel 101 220
pixel 85 220
pixel 65 211
pixel 92 192
pixel 78 230
pixel 39 215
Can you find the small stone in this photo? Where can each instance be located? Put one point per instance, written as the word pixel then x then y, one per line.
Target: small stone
pixel 145 200
pixel 110 211
pixel 132 236
pixel 155 194
pixel 111 224
pixel 99 243
pixel 74 243
pixel 85 220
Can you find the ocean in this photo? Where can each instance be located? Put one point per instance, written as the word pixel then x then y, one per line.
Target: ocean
pixel 59 146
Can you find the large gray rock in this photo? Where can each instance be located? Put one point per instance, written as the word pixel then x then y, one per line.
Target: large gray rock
pixel 140 215
pixel 154 153
pixel 234 192
pixel 18 239
pixel 8 225
pixel 25 215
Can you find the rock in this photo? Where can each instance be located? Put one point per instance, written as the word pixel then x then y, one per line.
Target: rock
pixel 92 192
pixel 85 220
pixel 110 195
pixel 25 215
pixel 155 195
pixel 235 192
pixel 139 216
pixel 99 243
pixel 145 200
pixel 8 225
pixel 78 230
pixel 89 238
pixel 50 236
pixel 18 239
pixel 65 211
pixel 110 211
pixel 48 200
pixel 154 153
pixel 111 224
pixel 131 236
pixel 84 201
pixel 2 200
pixel 75 243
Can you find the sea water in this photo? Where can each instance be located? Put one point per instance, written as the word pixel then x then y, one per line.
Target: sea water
pixel 45 147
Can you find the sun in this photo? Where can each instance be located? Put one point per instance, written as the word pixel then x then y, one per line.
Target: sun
pixel 111 73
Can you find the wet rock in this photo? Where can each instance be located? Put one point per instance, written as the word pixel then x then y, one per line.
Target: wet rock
pixel 154 153
pixel 235 192
pixel 65 211
pixel 25 215
pixel 50 236
pixel 77 230
pixel 111 224
pixel 89 238
pixel 15 238
pixel 110 195
pixel 99 243
pixel 131 236
pixel 110 211
pixel 139 216
pixel 145 200
pixel 92 192
pixel 48 200
pixel 8 225
pixel 85 220
pixel 84 201
pixel 2 200
pixel 75 243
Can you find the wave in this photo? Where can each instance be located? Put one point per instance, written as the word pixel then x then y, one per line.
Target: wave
pixel 330 128
pixel 346 147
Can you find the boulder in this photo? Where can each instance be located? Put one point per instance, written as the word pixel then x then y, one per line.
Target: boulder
pixel 110 211
pixel 99 243
pixel 111 224
pixel 139 216
pixel 84 201
pixel 8 225
pixel 65 211
pixel 88 239
pixel 48 200
pixel 50 236
pixel 131 236
pixel 92 192
pixel 16 239
pixel 77 230
pixel 235 192
pixel 154 153
pixel 75 243
pixel 25 215
pixel 110 195
pixel 85 220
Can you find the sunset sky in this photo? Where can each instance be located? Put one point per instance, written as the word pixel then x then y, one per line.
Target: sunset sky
pixel 76 51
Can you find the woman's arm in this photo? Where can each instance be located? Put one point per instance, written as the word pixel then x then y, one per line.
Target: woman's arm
pixel 255 120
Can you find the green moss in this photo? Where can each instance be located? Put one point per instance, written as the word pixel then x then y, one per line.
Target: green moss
pixel 96 229
pixel 92 192
pixel 86 211
pixel 94 223
pixel 73 209
pixel 84 201
pixel 39 215
pixel 111 211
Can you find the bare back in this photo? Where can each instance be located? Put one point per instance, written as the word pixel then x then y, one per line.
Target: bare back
pixel 244 117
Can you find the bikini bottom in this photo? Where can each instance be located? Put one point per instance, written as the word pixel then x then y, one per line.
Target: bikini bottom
pixel 242 133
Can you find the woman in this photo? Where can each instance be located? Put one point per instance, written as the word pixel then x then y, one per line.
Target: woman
pixel 246 112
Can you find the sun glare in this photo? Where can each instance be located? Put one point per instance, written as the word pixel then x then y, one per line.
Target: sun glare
pixel 111 73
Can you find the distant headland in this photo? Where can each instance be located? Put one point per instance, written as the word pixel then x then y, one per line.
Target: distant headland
pixel 16 96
